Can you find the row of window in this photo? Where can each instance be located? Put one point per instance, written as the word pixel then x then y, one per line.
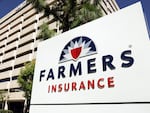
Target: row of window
pixel 12 90
pixel 8 79
pixel 20 64
pixel 16 48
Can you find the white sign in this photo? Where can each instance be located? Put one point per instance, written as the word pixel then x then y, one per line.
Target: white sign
pixel 102 63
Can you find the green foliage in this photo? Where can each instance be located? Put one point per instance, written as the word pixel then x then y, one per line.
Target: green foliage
pixel 85 14
pixel 6 111
pixel 70 13
pixel 38 4
pixel 2 98
pixel 2 95
pixel 45 33
pixel 25 78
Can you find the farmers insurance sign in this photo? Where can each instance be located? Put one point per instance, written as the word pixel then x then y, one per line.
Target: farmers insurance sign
pixel 102 62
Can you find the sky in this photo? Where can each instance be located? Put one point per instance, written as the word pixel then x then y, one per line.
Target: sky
pixel 7 5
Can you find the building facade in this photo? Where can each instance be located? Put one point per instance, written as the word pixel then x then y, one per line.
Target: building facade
pixel 18 45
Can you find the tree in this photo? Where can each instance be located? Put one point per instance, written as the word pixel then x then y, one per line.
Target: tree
pixel 25 80
pixel 2 98
pixel 45 32
pixel 86 13
pixel 38 4
pixel 70 13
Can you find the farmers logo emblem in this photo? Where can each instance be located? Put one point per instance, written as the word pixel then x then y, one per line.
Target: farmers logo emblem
pixel 78 47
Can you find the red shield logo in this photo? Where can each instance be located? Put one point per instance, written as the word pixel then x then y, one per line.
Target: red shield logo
pixel 77 48
pixel 76 52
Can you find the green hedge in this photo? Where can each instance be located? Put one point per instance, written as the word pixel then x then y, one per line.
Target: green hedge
pixel 6 111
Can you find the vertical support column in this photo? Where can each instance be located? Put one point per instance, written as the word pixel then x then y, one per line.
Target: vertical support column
pixel 8 85
pixel 57 27
pixel 35 34
pixel 0 59
pixel 6 105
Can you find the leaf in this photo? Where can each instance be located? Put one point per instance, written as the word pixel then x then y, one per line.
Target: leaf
pixel 45 32
pixel 25 78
